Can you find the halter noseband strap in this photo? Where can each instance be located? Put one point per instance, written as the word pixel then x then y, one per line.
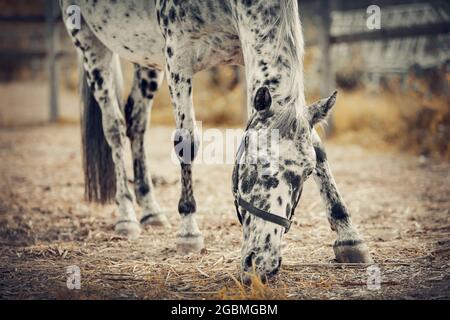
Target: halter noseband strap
pixel 267 216
pixel 241 203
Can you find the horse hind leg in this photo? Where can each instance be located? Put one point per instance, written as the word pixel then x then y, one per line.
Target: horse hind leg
pixel 139 104
pixel 99 82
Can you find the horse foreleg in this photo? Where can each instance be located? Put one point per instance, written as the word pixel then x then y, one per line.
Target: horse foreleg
pixel 349 246
pixel 189 237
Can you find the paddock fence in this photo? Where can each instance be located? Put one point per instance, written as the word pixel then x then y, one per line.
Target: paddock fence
pixel 406 28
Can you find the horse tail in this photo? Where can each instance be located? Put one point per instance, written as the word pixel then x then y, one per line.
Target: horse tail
pixel 98 165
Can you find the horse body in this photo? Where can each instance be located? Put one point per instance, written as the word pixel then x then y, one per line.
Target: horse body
pixel 182 38
pixel 128 28
pixel 131 30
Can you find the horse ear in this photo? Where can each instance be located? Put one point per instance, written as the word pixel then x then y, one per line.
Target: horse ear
pixel 319 110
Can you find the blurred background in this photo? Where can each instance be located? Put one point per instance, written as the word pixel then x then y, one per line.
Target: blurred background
pixel 393 82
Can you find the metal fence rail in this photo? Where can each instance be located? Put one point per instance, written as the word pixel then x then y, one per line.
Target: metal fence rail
pixel 325 9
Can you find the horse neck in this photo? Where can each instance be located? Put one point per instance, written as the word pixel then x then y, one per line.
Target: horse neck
pixel 273 49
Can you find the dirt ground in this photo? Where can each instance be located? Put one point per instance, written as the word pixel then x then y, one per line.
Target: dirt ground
pixel 400 203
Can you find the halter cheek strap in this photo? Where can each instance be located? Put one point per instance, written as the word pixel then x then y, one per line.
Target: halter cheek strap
pixel 241 203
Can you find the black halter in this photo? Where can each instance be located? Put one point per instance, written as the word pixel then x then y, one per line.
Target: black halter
pixel 241 203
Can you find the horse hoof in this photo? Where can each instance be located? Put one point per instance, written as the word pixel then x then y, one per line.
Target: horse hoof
pixel 190 244
pixel 128 229
pixel 153 220
pixel 352 251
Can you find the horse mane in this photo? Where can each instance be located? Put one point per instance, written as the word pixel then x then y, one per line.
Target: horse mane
pixel 290 35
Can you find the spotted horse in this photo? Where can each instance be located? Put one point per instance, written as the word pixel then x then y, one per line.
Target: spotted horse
pixel 180 38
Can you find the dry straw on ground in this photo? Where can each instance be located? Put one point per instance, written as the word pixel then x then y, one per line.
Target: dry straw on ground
pixel 399 203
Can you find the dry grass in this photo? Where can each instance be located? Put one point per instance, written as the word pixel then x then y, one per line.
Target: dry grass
pixel 401 206
pixel 414 121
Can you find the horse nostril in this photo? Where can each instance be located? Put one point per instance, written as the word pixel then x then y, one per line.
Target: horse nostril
pixel 278 267
pixel 248 263
pixel 276 270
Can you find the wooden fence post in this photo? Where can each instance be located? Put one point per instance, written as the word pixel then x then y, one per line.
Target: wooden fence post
pixel 52 63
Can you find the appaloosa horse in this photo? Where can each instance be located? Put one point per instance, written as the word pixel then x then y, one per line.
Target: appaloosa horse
pixel 182 38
